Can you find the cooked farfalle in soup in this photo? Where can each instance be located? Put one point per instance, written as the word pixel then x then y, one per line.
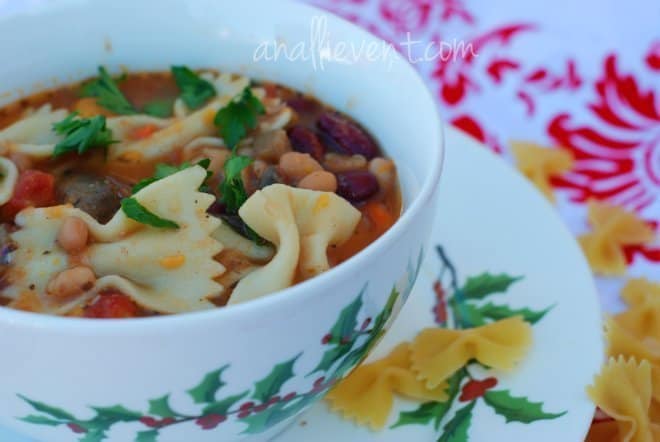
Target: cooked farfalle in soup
pixel 169 192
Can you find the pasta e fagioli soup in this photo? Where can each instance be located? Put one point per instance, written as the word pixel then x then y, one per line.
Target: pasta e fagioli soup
pixel 158 193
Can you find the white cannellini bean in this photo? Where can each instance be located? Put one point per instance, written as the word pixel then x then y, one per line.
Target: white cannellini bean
pixel 73 235
pixel 71 282
pixel 321 180
pixel 298 165
pixel 385 172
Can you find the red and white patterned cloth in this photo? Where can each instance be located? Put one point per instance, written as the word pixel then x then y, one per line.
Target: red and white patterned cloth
pixel 581 75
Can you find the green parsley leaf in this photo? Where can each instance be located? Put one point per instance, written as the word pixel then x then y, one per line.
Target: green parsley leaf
pixel 107 94
pixel 159 108
pixel 239 226
pixel 232 188
pixel 136 211
pixel 164 170
pixel 238 116
pixel 195 91
pixel 82 134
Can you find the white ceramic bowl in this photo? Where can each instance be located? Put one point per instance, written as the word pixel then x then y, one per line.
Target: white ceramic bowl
pixel 238 372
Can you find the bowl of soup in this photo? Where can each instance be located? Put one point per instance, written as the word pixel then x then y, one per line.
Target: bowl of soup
pixel 200 236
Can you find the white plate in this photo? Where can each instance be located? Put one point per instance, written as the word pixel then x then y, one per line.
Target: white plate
pixel 491 220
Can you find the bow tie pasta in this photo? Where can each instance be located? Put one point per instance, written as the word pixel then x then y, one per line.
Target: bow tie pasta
pixel 33 135
pixel 367 394
pixel 437 353
pixel 8 177
pixel 165 270
pixel 301 223
pixel 613 229
pixel 623 391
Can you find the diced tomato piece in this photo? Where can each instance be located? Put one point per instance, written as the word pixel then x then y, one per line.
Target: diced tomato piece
pixel 34 188
pixel 142 132
pixel 112 305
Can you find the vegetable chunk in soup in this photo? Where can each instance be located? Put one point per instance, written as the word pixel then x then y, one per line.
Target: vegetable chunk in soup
pixel 158 193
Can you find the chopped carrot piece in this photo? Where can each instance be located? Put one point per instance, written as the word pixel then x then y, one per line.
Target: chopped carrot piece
pixel 142 132
pixel 379 216
pixel 88 107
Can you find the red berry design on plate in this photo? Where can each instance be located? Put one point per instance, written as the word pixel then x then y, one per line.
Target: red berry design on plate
pixel 149 421
pixel 210 421
pixel 326 339
pixel 247 406
pixel 440 309
pixel 76 428
pixel 319 384
pixel 289 396
pixel 167 421
pixel 365 324
pixel 243 414
pixel 260 408
pixel 475 389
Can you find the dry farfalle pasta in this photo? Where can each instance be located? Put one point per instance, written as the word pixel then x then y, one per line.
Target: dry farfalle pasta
pixel 633 335
pixel 420 369
pixel 623 391
pixel 640 292
pixel 613 229
pixel 539 164
pixel 636 331
pixel 437 353
pixel 367 395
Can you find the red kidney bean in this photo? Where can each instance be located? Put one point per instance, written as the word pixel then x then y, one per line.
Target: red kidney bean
pixel 348 136
pixel 305 141
pixel 217 209
pixel 356 186
pixel 303 105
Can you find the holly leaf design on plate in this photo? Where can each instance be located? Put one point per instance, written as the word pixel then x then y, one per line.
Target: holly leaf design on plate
pixel 432 411
pixel 421 416
pixel 116 413
pixel 331 356
pixel 517 409
pixel 478 287
pixel 456 430
pixel 385 314
pixel 93 435
pixel 477 315
pixel 55 412
pixel 498 312
pixel 206 390
pixel 161 407
pixel 147 436
pixel 276 413
pixel 271 384
pixel 345 326
pixel 469 314
pixel 342 335
pixel 41 420
pixel 222 407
